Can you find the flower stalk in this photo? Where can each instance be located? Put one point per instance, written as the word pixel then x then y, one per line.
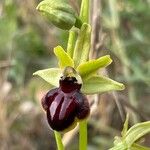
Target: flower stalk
pixel 83 135
pixel 58 141
pixel 84 16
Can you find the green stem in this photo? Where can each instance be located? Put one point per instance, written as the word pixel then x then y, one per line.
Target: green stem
pixel 58 141
pixel 84 16
pixel 71 43
pixel 83 135
pixel 84 12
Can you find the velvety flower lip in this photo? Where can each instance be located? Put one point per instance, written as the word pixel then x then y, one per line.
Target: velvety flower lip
pixel 65 105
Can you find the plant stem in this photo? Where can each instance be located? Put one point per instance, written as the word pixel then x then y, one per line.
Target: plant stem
pixel 71 43
pixel 84 12
pixel 83 135
pixel 84 16
pixel 58 141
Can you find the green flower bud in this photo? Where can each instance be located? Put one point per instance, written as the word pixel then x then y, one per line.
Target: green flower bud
pixel 59 13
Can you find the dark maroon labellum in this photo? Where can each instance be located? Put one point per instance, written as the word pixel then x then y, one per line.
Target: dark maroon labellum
pixel 65 105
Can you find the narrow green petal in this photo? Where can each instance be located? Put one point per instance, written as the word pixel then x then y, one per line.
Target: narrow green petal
pixel 63 57
pixel 100 84
pixel 51 75
pixel 90 67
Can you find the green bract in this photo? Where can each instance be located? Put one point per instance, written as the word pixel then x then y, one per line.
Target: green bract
pixel 60 13
pixel 92 83
pixel 82 47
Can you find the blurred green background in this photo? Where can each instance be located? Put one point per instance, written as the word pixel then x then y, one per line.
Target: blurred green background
pixel 26 45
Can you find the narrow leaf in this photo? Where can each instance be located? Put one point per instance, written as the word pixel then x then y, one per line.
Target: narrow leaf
pixel 118 144
pixel 136 132
pixel 51 75
pixel 90 67
pixel 100 84
pixel 125 126
pixel 139 147
pixel 119 147
pixel 63 57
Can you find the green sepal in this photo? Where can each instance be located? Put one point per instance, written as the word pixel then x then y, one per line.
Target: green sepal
pixel 99 84
pixel 64 59
pixel 51 75
pixel 90 67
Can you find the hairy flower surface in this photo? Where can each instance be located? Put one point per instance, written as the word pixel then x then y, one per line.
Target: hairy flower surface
pixel 65 105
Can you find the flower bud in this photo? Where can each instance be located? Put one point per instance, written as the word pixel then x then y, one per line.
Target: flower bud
pixel 60 13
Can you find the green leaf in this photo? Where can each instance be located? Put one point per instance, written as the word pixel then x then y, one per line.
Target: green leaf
pixel 125 126
pixel 64 59
pixel 120 146
pixel 82 47
pixel 51 75
pixel 138 147
pixel 131 136
pixel 136 132
pixel 90 67
pixel 100 84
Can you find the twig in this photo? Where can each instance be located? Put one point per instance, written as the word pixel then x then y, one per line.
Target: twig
pixel 134 109
pixel 5 64
pixel 120 108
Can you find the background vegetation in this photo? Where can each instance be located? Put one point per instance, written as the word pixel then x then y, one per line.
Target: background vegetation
pixel 26 45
